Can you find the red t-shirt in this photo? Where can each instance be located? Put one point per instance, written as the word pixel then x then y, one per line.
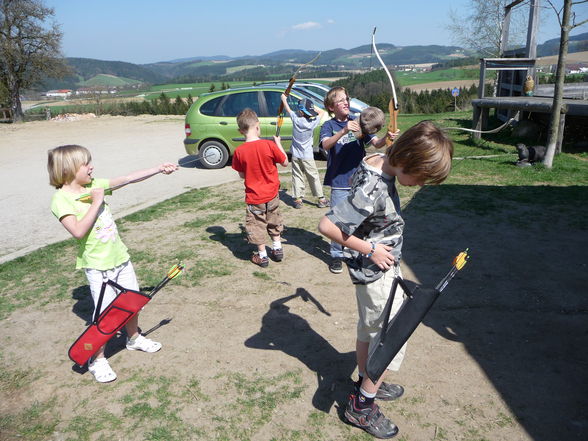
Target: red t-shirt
pixel 257 160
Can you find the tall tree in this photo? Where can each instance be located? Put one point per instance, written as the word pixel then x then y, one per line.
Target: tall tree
pixel 479 27
pixel 567 21
pixel 29 48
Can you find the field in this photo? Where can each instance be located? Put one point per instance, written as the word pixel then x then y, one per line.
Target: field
pixel 412 78
pixel 267 354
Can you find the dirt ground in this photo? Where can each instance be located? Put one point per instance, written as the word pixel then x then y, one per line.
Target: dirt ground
pixel 501 356
pixel 118 145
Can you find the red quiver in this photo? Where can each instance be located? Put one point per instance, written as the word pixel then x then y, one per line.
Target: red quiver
pixel 126 304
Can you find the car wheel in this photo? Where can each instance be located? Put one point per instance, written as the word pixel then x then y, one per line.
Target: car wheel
pixel 213 154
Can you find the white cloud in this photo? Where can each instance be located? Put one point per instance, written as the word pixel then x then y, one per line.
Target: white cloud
pixel 330 21
pixel 306 26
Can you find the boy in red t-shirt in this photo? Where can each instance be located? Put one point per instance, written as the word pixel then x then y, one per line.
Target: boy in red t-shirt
pixel 256 160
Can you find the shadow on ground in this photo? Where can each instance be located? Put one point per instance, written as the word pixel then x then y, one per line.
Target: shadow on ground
pixel 281 330
pixel 520 306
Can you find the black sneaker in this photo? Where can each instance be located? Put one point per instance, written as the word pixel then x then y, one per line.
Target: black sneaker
pixel 389 392
pixel 336 266
pixel 386 391
pixel 370 419
pixel 277 255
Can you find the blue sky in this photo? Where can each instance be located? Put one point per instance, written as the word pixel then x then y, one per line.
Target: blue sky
pixel 159 30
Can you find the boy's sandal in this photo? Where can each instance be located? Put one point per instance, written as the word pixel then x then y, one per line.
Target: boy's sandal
pixel 101 370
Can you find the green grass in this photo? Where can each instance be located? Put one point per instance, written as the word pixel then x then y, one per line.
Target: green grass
pixel 193 89
pixel 108 80
pixel 412 78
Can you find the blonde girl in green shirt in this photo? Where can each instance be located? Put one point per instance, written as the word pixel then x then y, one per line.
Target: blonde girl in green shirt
pixel 101 253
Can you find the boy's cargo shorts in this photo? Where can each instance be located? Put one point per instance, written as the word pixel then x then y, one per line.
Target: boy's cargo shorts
pixel 263 219
pixel 371 302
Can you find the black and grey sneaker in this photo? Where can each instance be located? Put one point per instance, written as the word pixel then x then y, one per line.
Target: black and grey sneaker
pixel 389 392
pixel 370 419
pixel 386 391
pixel 336 266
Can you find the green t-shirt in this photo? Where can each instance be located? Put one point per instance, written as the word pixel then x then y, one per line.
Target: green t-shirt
pixel 101 248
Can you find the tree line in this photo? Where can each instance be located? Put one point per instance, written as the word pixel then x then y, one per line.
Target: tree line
pixel 162 105
pixel 374 88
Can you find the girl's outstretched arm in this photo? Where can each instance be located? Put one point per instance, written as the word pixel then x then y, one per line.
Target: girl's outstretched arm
pixel 166 168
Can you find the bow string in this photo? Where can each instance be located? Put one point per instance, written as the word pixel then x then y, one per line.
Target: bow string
pixel 393 103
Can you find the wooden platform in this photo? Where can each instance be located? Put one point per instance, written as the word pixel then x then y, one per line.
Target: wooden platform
pixel 527 104
pixel 532 104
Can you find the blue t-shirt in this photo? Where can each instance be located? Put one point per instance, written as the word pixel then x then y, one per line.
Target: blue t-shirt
pixel 345 156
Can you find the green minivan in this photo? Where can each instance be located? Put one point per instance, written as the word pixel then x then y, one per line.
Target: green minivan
pixel 211 122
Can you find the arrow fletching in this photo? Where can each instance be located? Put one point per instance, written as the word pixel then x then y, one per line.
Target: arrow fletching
pixel 85 198
pixel 175 271
pixel 458 263
pixel 461 259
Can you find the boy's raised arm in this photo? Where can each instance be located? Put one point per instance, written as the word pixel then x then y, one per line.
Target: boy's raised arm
pixel 284 99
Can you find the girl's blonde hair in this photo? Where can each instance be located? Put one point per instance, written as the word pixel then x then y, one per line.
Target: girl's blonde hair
pixel 424 151
pixel 64 162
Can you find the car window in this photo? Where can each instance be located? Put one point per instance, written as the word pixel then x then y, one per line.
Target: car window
pixel 209 107
pixel 234 103
pixel 273 100
pixel 320 92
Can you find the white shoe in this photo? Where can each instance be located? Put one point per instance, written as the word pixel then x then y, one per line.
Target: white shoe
pixel 101 370
pixel 144 344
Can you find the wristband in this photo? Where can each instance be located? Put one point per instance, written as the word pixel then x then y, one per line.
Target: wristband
pixel 367 256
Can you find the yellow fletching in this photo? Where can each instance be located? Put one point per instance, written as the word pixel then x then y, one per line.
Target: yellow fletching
pixel 175 270
pixel 461 260
pixel 85 198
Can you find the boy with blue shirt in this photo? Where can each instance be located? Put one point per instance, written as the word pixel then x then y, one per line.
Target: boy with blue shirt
pixel 341 137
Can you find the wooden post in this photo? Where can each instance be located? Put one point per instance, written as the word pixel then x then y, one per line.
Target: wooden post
pixel 532 33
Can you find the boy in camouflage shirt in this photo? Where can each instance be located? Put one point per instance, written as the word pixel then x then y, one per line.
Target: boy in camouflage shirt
pixel 369 224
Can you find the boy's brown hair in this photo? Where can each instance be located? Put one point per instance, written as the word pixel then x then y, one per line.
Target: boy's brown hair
pixel 424 151
pixel 246 119
pixel 330 97
pixel 371 120
pixel 63 163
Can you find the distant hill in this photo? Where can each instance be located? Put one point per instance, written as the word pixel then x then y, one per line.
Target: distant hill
pixel 87 68
pixel 274 64
pixel 105 80
pixel 577 43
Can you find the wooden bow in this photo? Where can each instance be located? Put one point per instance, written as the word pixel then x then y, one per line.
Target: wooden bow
pixel 287 92
pixel 393 104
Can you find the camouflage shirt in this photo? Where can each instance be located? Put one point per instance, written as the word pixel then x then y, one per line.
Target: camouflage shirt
pixel 370 212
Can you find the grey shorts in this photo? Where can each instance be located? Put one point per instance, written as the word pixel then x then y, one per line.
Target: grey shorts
pixel 371 302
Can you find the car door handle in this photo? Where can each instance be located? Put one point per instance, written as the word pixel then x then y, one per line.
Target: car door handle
pixel 223 123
